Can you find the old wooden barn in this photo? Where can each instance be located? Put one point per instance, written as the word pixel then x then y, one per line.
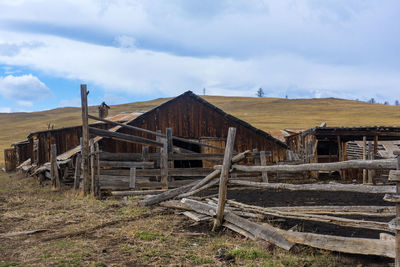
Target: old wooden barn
pixel 193 118
pixel 334 144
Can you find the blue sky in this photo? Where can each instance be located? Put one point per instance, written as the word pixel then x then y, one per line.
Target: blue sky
pixel 138 50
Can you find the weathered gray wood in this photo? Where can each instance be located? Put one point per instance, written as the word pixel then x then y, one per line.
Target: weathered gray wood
pixel 97 182
pixel 12 234
pixel 333 166
pixel 239 230
pixel 265 232
pixel 316 218
pixel 320 187
pixel 85 136
pixel 371 173
pixel 196 217
pixel 166 195
pixel 364 157
pixel 145 153
pixel 204 187
pixel 263 162
pixel 168 134
pixel 364 246
pixel 226 166
pixel 137 192
pixel 92 167
pixel 124 137
pixel 55 178
pixel 182 172
pixel 132 178
pixel 164 165
pixel 77 174
pixel 394 198
pixel 116 185
pixel 127 164
pixel 394 176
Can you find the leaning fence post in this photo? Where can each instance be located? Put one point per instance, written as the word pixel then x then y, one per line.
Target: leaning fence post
pixel 394 176
pixel 164 165
pixel 223 181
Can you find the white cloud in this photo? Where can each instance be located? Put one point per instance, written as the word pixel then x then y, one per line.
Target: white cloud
pixel 5 110
pixel 303 48
pixel 24 88
pixel 24 103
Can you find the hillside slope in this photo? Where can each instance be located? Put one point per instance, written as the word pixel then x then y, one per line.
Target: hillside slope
pixel 268 114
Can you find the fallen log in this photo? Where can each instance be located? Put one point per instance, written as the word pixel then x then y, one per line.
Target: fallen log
pixel 265 232
pixel 320 187
pixel 12 234
pixel 383 226
pixel 333 166
pixel 364 246
pixel 193 192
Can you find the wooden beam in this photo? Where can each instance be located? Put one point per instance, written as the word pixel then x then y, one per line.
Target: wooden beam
pixel 333 166
pixel 226 166
pixel 92 167
pixel 55 178
pixel 320 187
pixel 183 172
pixel 124 137
pixel 364 157
pixel 127 164
pixel 97 182
pixel 85 136
pixel 265 232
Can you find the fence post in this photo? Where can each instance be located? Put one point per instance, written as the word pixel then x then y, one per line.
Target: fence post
pixel 394 176
pixel 263 161
pixel 55 178
pixel 77 175
pixel 97 180
pixel 132 178
pixel 164 165
pixel 92 167
pixel 371 173
pixel 364 157
pixel 223 181
pixel 85 136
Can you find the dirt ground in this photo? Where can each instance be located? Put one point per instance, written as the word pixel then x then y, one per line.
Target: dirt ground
pixel 82 231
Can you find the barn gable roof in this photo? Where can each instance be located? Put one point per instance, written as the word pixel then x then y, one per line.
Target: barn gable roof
pixel 216 109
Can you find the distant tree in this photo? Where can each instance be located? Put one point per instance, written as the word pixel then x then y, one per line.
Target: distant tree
pixel 260 92
pixel 204 91
pixel 372 101
pixel 286 96
pixel 397 103
pixel 386 103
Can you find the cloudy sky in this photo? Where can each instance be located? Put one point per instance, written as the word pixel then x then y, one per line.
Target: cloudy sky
pixel 132 50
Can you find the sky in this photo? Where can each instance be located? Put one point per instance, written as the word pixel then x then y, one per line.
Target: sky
pixel 136 50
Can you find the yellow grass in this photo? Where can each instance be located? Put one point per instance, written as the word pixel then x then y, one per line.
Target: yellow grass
pixel 268 114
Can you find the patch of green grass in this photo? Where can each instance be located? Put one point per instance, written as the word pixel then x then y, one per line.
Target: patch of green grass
pixel 197 259
pixel 128 249
pixel 249 254
pixel 73 260
pixel 149 236
pixel 99 264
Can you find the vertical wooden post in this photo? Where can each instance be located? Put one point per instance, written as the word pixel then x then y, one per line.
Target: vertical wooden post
pixel 158 151
pixel 97 180
pixel 256 158
pixel 85 136
pixel 340 153
pixel 55 178
pixel 397 245
pixel 145 153
pixel 344 147
pixel 263 161
pixel 223 181
pixel 132 178
pixel 375 146
pixel 364 158
pixel 77 175
pixel 371 173
pixel 168 132
pixel 92 167
pixel 164 165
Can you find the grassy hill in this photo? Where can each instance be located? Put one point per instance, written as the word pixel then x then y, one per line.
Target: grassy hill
pixel 268 114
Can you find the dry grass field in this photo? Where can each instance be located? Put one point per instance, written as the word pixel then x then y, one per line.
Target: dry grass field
pixel 268 114
pixel 82 231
